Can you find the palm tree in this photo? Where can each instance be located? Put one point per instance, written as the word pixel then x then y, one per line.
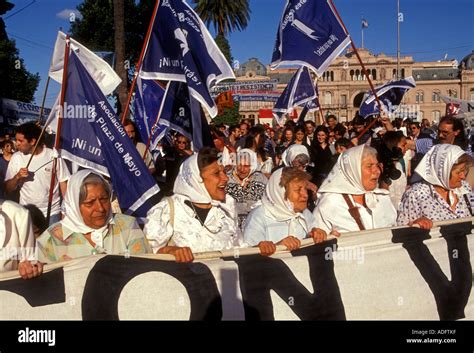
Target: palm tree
pixel 225 15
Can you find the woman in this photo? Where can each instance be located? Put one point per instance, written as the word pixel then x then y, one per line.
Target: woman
pixel 246 185
pixel 89 226
pixel 199 216
pixel 349 199
pixel 322 155
pixel 282 219
pixel 4 160
pixel 174 157
pixel 443 194
pixel 255 140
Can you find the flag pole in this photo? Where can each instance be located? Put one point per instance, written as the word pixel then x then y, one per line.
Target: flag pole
pixel 157 118
pixel 39 121
pixel 140 59
pixel 364 70
pixel 58 129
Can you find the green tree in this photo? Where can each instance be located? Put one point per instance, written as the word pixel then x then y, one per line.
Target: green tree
pixel 226 16
pixel 224 46
pixel 230 116
pixel 16 82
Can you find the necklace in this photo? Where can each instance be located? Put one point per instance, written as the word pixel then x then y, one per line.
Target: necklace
pixel 196 215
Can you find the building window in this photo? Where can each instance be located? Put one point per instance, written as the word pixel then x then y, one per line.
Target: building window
pixel 453 93
pixel 343 100
pixel 435 97
pixel 327 98
pixel 394 73
pixel 352 75
pixel 420 115
pixel 332 75
pixel 252 117
pixel 420 97
pixel 403 73
pixel 374 74
pixel 435 114
pixel 358 76
pixel 471 94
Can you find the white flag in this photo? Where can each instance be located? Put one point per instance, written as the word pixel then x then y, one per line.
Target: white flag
pixel 101 72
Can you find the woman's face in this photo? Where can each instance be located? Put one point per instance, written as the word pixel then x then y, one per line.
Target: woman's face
pixel 243 170
pixel 370 173
pixel 215 180
pixel 458 174
pixel 299 136
pixel 96 206
pixel 297 193
pixel 181 143
pixel 321 136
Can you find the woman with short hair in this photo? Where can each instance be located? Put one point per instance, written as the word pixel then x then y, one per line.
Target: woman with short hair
pixel 89 226
pixel 283 218
pixel 443 194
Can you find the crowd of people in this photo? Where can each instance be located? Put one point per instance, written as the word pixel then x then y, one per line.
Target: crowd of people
pixel 258 186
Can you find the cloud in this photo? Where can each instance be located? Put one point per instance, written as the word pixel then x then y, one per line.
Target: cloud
pixel 67 13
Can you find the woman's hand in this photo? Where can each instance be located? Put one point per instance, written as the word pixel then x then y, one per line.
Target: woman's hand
pixel 422 222
pixel 181 254
pixel 290 242
pixel 318 235
pixel 28 270
pixel 267 248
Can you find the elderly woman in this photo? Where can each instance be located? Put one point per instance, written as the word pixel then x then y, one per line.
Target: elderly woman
pixel 199 216
pixel 349 199
pixel 89 226
pixel 246 185
pixel 443 194
pixel 282 219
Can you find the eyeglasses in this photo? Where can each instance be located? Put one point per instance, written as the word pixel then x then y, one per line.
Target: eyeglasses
pixel 444 132
pixel 181 142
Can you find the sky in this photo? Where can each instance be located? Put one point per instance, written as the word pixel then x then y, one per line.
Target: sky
pixel 431 30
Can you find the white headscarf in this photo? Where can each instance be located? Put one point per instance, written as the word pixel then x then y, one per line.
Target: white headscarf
pixel 244 154
pixel 189 182
pixel 346 177
pixel 435 167
pixel 274 202
pixel 292 152
pixel 73 217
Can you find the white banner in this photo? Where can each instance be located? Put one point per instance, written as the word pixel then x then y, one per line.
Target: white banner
pixel 386 274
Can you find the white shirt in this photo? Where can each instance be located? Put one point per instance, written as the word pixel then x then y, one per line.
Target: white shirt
pixel 332 213
pixel 18 238
pixel 36 191
pixel 262 226
pixel 188 231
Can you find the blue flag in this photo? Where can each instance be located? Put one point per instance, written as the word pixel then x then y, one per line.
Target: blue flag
pixel 93 136
pixel 174 106
pixel 146 106
pixel 390 95
pixel 299 91
pixel 181 49
pixel 309 34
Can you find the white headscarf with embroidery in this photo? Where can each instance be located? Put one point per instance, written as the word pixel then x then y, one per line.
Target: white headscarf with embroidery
pixel 435 167
pixel 277 205
pixel 292 152
pixel 73 217
pixel 346 177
